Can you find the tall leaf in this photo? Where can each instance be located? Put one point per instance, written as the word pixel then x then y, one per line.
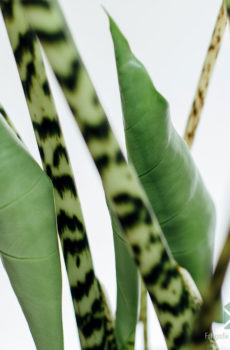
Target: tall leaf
pixel 95 330
pixel 165 167
pixel 51 143
pixel 28 239
pixel 127 289
pixel 205 76
pixel 171 296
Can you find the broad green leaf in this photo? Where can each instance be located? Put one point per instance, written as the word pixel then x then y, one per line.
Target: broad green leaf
pixel 28 240
pixel 165 167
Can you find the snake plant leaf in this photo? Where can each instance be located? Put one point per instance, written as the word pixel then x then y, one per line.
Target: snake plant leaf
pixel 43 115
pixel 165 167
pixel 94 328
pixel 172 297
pixel 28 240
pixel 127 289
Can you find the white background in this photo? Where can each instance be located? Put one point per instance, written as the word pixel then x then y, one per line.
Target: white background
pixel 171 39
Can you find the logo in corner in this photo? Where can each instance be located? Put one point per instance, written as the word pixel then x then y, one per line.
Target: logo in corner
pixel 227 316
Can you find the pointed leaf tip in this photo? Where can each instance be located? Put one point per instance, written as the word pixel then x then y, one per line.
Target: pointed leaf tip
pixel 114 29
pixel 121 45
pixel 106 12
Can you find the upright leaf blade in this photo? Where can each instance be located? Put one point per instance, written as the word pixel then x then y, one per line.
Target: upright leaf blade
pixel 175 307
pixel 164 165
pixel 28 240
pixel 127 288
pixel 84 285
pixel 205 76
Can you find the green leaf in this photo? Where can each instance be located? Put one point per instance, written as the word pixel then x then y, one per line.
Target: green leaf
pixel 127 289
pixel 165 167
pixel 160 272
pixel 55 161
pixel 28 240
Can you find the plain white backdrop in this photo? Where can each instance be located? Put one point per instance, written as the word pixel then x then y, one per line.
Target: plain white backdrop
pixel 171 39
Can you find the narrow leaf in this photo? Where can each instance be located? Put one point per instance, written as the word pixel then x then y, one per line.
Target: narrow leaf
pixel 84 285
pixel 206 74
pixel 127 288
